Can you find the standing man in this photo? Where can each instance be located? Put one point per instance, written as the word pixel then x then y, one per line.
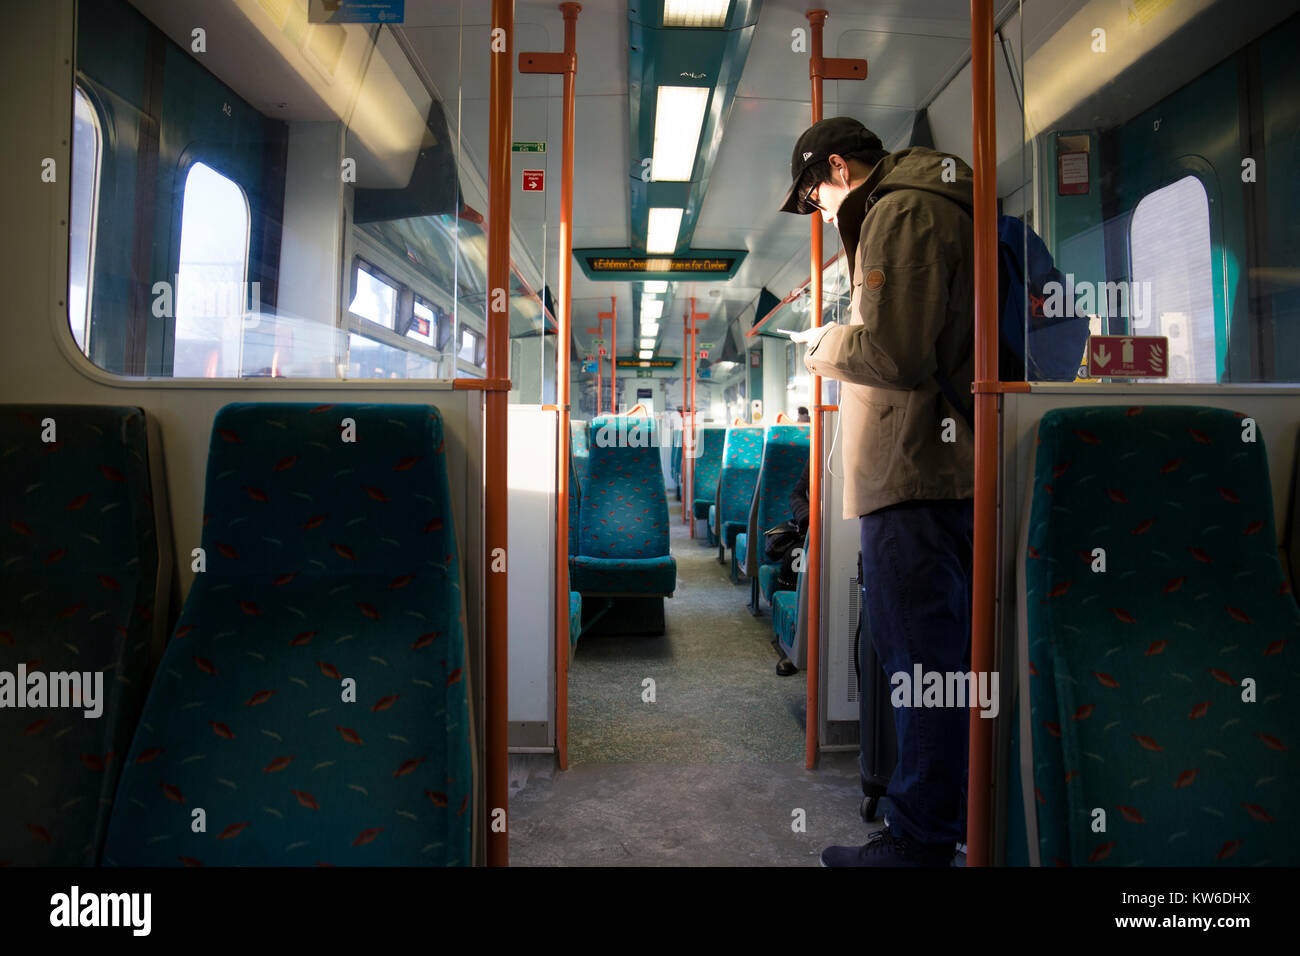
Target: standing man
pixel 906 222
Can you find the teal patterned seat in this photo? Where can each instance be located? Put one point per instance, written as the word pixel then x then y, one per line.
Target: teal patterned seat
pixel 741 456
pixel 575 618
pixel 785 454
pixel 579 455
pixel 328 562
pixel 705 468
pixel 675 462
pixel 80 593
pixel 623 521
pixel 1163 690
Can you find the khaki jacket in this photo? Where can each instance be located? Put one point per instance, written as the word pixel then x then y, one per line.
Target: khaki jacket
pixel 908 237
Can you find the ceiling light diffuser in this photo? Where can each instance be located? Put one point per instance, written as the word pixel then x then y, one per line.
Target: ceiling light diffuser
pixel 655 285
pixel 661 231
pixel 679 117
pixel 647 353
pixel 696 13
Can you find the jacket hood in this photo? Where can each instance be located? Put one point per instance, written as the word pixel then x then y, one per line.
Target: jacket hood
pixel 914 168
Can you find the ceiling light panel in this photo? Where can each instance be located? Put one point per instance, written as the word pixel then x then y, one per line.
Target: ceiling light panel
pixel 696 13
pixel 647 353
pixel 651 309
pixel 647 343
pixel 655 285
pixel 649 326
pixel 679 117
pixel 661 232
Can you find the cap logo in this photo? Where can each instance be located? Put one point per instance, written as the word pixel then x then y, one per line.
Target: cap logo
pixel 875 279
pixel 807 154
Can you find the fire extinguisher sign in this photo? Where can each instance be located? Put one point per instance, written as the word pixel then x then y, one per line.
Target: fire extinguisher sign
pixel 1128 356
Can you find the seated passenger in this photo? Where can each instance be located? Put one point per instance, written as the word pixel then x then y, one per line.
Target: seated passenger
pixel 787 579
pixel 906 222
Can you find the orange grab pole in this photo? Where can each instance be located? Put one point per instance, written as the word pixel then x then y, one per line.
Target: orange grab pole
pixel 496 598
pixel 812 710
pixel 681 475
pixel 979 787
pixel 834 68
pixel 613 356
pixel 566 64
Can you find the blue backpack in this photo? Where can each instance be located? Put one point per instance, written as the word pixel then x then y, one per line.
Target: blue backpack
pixel 1056 343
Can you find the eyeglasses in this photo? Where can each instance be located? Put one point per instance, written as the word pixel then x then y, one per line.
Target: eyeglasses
pixel 808 197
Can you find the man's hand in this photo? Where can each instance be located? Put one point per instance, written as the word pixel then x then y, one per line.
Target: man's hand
pixel 810 337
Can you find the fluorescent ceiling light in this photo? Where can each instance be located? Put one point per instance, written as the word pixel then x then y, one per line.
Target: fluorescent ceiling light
pixel 664 225
pixel 655 285
pixel 696 13
pixel 679 117
pixel 649 326
pixel 647 343
pixel 647 353
pixel 651 309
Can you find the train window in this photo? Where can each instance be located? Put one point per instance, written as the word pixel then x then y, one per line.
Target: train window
pixel 1169 249
pixel 375 299
pixel 211 291
pixel 86 144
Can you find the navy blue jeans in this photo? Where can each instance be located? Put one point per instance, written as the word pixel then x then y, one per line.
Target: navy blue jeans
pixel 916 564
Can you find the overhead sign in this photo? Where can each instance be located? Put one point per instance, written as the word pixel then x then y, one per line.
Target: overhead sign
pixel 356 11
pixel 528 147
pixel 534 180
pixel 652 363
pixel 1128 356
pixel 588 366
pixel 628 265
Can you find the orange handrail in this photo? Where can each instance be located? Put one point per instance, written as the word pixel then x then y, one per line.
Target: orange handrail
pixel 566 65
pixel 984 558
pixel 496 593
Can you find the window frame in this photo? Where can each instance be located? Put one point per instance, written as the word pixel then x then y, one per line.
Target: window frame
pixel 97 124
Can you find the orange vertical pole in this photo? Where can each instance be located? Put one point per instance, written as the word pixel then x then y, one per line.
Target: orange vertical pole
pixel 686 335
pixel 812 710
pixel 495 425
pixel 978 788
pixel 613 351
pixel 566 65
pixel 695 435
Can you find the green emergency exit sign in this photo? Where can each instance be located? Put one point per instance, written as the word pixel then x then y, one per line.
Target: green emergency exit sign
pixel 528 147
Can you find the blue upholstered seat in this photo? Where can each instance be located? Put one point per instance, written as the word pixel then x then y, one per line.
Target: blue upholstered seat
pixel 705 468
pixel 1139 701
pixel 785 455
pixel 623 521
pixel 327 561
pixel 741 456
pixel 79 594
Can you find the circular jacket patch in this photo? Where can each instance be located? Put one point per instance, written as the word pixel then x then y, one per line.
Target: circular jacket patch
pixel 874 280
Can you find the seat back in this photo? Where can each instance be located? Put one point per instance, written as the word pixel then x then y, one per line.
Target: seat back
pixel 83 597
pixel 738 477
pixel 312 702
pixel 785 455
pixel 1139 674
pixel 707 465
pixel 579 457
pixel 624 509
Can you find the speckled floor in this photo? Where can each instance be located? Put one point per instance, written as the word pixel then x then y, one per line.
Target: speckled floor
pixel 711 773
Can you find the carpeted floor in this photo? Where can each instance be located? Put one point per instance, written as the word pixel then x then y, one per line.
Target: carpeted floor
pixel 711 773
pixel 718 697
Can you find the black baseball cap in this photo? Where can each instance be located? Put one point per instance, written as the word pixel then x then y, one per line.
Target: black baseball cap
pixel 839 134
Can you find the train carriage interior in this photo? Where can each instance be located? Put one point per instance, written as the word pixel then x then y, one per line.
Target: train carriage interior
pixel 402 436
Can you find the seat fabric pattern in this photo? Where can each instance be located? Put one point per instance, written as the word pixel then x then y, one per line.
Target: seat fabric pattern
pixel 326 560
pixel 575 618
pixel 579 455
pixel 741 456
pixel 1136 674
pixel 623 539
pixel 705 469
pixel 785 454
pixel 79 552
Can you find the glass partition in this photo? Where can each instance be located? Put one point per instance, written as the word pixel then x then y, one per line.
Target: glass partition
pixel 320 216
pixel 1163 142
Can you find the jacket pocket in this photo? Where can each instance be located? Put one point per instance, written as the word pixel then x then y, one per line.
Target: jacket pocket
pixel 876 454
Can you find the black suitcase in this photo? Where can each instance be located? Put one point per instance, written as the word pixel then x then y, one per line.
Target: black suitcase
pixel 878 752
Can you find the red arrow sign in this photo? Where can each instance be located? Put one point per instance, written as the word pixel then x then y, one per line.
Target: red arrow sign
pixel 534 180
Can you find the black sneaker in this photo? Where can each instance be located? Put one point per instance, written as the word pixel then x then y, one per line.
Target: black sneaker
pixel 883 848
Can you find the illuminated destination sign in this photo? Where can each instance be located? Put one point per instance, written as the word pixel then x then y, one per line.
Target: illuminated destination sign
pixel 644 363
pixel 695 264
pixel 628 265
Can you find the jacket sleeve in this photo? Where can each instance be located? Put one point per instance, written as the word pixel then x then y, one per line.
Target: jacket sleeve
pixel 900 320
pixel 799 501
